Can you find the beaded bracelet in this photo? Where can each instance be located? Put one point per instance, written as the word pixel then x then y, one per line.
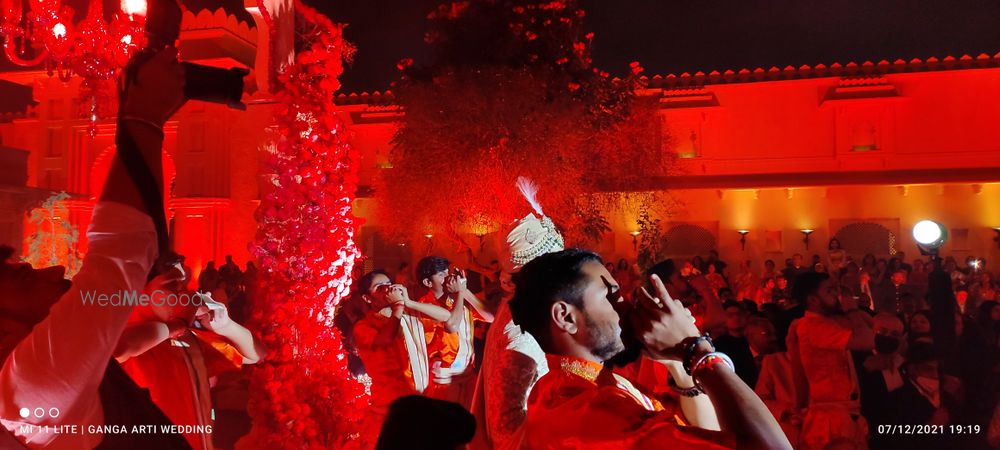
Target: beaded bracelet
pixel 691 347
pixel 692 391
pixel 709 361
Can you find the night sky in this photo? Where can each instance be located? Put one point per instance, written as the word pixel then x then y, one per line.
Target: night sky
pixel 673 36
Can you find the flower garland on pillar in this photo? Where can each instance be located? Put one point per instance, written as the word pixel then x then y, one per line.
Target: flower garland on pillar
pixel 303 395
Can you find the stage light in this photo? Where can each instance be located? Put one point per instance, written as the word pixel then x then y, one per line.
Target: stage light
pixel 59 30
pixel 929 234
pixel 134 7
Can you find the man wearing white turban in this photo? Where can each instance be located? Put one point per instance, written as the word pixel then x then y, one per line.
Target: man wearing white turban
pixel 513 360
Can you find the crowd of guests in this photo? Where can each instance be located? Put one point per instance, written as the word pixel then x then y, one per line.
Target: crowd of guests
pixel 841 352
pixel 230 285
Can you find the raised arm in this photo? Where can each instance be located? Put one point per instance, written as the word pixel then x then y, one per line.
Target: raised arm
pixel 484 313
pixel 667 331
pixel 140 337
pixel 715 314
pixel 698 410
pixel 214 316
pixel 61 363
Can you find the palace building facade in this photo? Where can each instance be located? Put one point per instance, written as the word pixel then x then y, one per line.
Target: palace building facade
pixel 860 152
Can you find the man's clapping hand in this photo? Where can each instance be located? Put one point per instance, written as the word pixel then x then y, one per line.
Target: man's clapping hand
pixel 456 282
pixel 661 323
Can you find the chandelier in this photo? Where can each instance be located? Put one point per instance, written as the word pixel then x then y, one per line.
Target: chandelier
pixel 96 50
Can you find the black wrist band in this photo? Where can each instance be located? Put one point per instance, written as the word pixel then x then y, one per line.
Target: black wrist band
pixel 690 347
pixel 692 391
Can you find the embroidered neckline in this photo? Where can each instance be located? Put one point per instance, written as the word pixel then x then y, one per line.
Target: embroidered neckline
pixel 580 367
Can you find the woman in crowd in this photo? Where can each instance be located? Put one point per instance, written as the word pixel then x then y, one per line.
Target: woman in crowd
pixel 919 327
pixel 836 256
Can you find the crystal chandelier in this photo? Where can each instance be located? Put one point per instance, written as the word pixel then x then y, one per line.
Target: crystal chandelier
pixel 94 49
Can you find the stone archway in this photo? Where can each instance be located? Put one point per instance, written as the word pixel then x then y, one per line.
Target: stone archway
pixel 861 238
pixel 686 241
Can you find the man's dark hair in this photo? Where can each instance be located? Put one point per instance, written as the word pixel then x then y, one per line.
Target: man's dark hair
pixel 430 265
pixel 807 284
pixel 732 304
pixel 723 290
pixel 663 269
pixel 541 282
pixel 418 422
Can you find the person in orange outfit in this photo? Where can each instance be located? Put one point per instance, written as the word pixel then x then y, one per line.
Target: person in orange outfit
pixel 567 300
pixel 391 342
pixel 450 343
pixel 175 349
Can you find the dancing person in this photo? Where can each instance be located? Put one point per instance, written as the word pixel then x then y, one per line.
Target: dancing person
pixel 450 346
pixel 565 300
pixel 820 343
pixel 64 363
pixel 390 339
pixel 173 351
pixel 513 360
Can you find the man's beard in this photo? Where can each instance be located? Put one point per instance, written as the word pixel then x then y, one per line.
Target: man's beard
pixel 605 341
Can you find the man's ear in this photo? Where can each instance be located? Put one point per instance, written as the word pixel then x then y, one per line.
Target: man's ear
pixel 564 318
pixel 427 282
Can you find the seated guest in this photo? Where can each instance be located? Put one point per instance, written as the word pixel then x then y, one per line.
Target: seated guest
pixel 925 398
pixel 734 343
pixel 61 359
pixel 775 383
pixel 919 327
pixel 879 374
pixel 391 341
pixel 565 300
pixel 416 422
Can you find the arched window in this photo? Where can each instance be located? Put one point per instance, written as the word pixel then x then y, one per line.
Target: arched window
pixel 861 238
